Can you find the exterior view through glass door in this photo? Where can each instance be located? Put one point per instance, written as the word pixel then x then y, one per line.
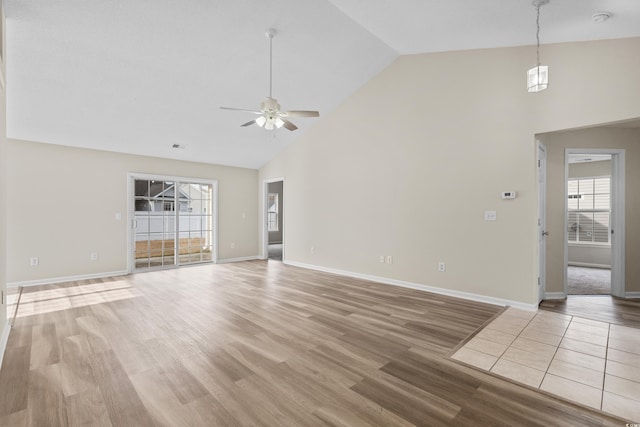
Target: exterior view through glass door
pixel 173 223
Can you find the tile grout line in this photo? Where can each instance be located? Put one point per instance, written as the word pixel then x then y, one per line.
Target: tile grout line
pixel 557 348
pixel 604 373
pixel 509 345
pixel 546 372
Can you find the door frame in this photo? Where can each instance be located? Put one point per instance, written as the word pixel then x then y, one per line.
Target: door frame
pixel 618 260
pixel 265 216
pixel 542 218
pixel 131 178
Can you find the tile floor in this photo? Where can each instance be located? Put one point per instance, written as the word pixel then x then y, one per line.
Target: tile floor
pixel 593 363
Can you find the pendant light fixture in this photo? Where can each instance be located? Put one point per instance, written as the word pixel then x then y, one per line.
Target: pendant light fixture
pixel 538 76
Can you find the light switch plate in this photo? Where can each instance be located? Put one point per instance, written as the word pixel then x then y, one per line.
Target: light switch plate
pixel 490 216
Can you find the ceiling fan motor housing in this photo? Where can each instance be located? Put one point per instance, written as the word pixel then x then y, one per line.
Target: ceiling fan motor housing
pixel 270 105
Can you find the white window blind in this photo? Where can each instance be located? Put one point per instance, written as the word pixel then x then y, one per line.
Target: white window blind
pixel 589 210
pixel 272 212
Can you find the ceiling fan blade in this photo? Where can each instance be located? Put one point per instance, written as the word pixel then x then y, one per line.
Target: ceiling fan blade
pixel 288 125
pixel 249 123
pixel 241 109
pixel 301 113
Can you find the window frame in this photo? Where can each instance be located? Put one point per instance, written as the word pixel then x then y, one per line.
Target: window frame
pixel 592 212
pixel 273 216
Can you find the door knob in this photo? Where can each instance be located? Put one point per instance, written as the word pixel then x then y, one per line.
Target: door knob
pixel 545 233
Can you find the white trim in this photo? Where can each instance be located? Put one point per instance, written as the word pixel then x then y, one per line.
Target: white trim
pixel 419 286
pixel 541 179
pixel 586 264
pixel 554 295
pixel 265 216
pixel 632 294
pixel 239 259
pixel 131 177
pixel 67 279
pixel 4 340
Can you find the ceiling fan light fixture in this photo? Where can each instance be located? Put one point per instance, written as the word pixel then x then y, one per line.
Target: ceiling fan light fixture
pixel 270 115
pixel 260 121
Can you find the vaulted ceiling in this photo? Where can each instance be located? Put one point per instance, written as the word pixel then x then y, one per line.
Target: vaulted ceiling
pixel 139 76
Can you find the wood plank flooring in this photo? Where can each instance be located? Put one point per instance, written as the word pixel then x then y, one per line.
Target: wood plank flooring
pixel 603 308
pixel 255 344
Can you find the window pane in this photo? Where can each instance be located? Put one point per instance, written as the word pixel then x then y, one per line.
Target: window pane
pixel 585 202
pixel 572 222
pixel 601 227
pixel 585 186
pixel 602 185
pixel 602 201
pixel 572 186
pixel 585 227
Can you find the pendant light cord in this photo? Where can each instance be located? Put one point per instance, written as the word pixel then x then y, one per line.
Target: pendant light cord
pixel 271 65
pixel 538 35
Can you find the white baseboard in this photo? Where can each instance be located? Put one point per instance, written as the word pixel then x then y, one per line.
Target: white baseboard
pixel 4 339
pixel 239 259
pixel 589 265
pixel 420 287
pixel 54 280
pixel 632 294
pixel 554 295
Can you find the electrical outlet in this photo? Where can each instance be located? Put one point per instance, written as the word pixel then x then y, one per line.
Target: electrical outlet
pixel 441 267
pixel 233 245
pixel 381 259
pixel 94 256
pixel 35 261
pixel 312 249
pixel 389 259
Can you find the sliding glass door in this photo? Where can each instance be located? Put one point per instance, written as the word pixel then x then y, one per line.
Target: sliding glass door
pixel 173 222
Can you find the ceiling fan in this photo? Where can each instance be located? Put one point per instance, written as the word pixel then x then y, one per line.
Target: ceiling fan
pixel 270 115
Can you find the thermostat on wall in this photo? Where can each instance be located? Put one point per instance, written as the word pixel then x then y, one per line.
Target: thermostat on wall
pixel 508 194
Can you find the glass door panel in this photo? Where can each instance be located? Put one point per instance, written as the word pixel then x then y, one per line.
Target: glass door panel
pixel 173 223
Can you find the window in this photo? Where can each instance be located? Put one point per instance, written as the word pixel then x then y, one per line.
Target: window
pixel 173 222
pixel 272 212
pixel 589 210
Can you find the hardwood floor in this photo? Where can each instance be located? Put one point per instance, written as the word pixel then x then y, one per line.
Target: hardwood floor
pixel 255 344
pixel 604 308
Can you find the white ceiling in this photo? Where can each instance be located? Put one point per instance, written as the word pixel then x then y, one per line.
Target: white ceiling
pixel 137 76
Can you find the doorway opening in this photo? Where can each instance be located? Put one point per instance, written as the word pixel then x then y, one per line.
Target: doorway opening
pixel 173 222
pixel 274 219
pixel 589 224
pixel 594 206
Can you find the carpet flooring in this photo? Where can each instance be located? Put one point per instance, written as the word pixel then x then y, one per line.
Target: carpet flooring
pixel 588 281
pixel 275 252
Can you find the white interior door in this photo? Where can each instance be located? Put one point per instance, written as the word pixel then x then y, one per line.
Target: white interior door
pixel 542 220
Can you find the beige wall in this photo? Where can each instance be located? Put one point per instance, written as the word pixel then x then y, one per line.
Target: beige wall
pixel 62 203
pixel 600 137
pixel 407 165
